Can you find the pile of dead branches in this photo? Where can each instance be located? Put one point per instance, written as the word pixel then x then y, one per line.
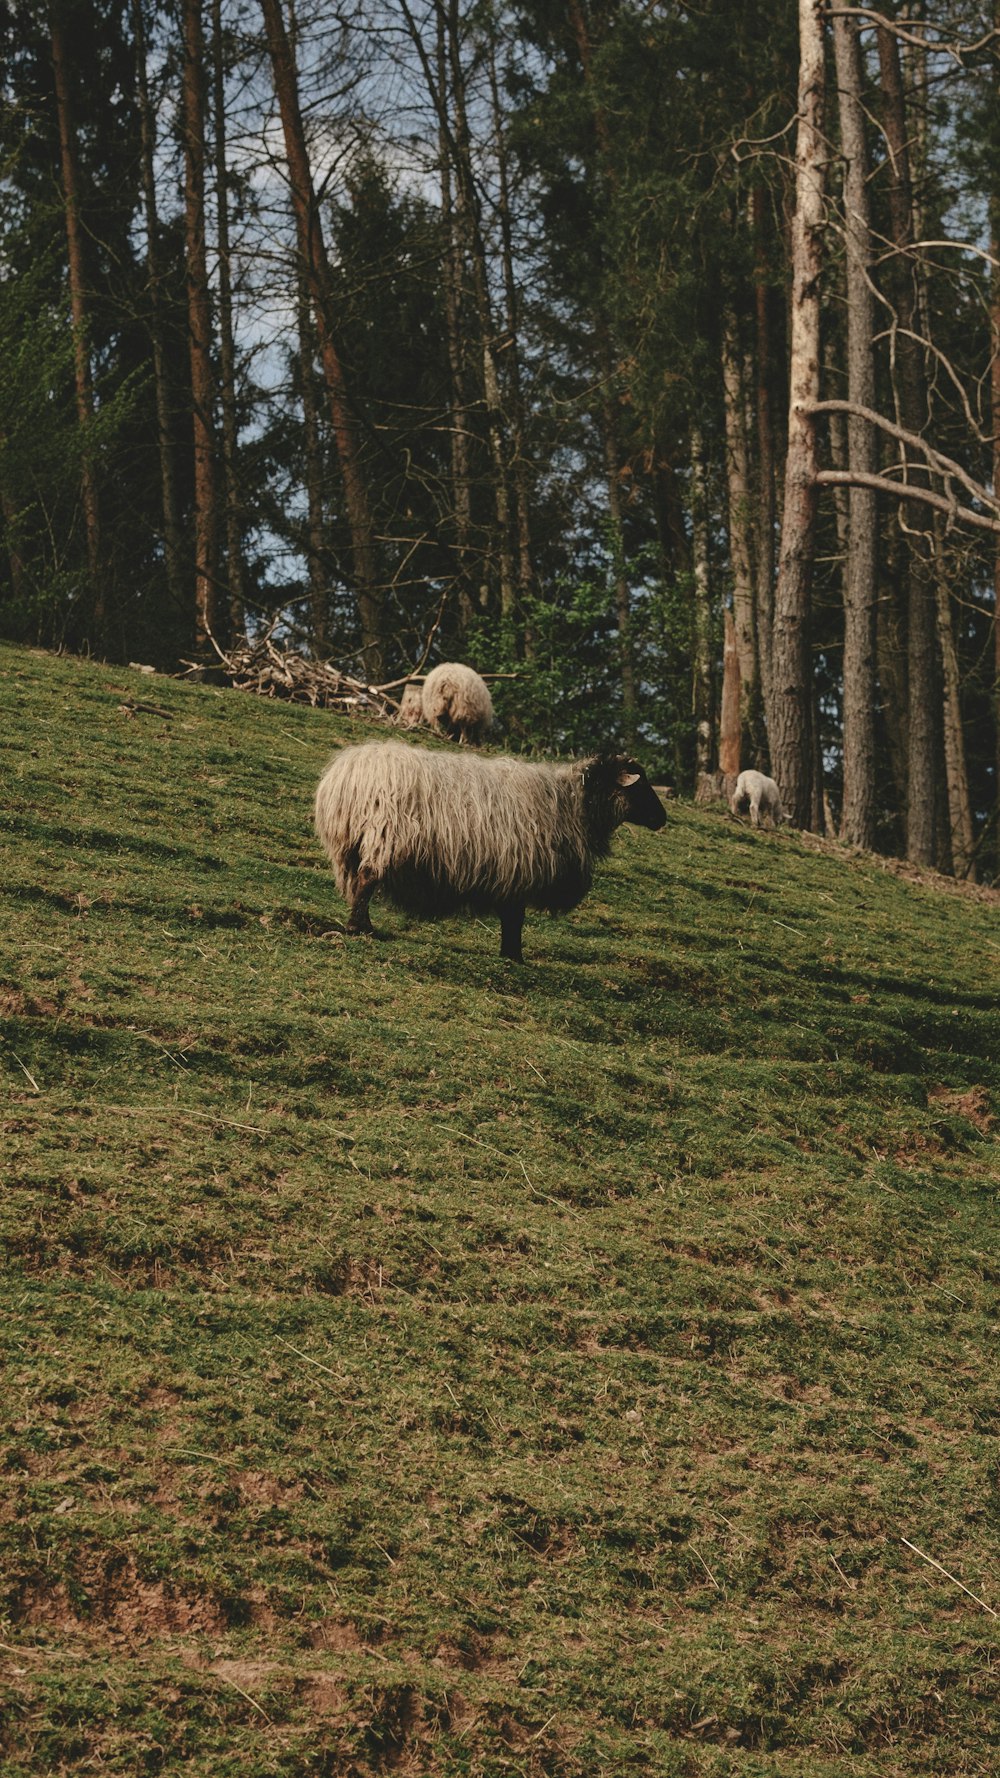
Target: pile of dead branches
pixel 260 666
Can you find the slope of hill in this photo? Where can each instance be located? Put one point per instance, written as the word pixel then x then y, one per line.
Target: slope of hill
pixel 415 1362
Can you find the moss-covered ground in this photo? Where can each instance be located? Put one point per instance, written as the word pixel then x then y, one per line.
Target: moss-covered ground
pixel 413 1362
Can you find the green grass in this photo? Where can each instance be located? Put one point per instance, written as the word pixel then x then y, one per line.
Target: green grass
pixel 418 1363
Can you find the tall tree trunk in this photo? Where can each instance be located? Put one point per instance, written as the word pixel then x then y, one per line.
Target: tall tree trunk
pixel 460 437
pixel 858 816
pixel 960 827
pixel 312 450
pixel 199 329
pixel 729 708
pixel 173 538
pixel 604 178
pixel 69 164
pixel 995 427
pixel 227 346
pixel 314 260
pixel 469 216
pixel 763 555
pixel 740 542
pixel 512 347
pixel 608 421
pixel 702 677
pixel 791 735
pixel 922 762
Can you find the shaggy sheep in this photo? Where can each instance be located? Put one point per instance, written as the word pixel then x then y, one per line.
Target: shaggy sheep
pixel 456 702
pixel 436 832
pixel 758 794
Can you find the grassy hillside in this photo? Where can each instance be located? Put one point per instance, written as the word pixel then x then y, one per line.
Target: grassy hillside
pixel 418 1363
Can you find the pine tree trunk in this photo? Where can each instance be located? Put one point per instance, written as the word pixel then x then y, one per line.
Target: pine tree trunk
pixel 173 537
pixel 702 680
pixel 740 543
pixel 199 330
pixel 460 437
pixel 791 736
pixel 763 554
pixel 962 838
pixel 922 761
pixel 616 543
pixel 729 708
pixel 68 155
pixel 312 451
pixel 995 424
pixel 512 350
pixel 858 815
pixel 227 346
pixel 468 214
pixel 313 258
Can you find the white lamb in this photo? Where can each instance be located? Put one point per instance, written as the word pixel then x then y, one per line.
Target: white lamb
pixel 758 794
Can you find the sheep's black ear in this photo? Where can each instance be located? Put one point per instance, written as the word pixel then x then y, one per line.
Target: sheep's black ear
pixel 626 777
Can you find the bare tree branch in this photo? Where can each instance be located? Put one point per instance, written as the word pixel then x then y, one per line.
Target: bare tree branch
pixel 907 491
pixel 937 462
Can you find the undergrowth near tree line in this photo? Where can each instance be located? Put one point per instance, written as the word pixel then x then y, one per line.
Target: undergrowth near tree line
pixel 416 1362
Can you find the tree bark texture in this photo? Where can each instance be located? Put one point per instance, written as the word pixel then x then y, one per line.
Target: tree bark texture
pixel 858 814
pixel 922 764
pixel 346 430
pixel 173 535
pixel 227 346
pixel 69 166
pixel 312 449
pixel 751 745
pixel 199 311
pixel 701 699
pixel 460 436
pixel 765 490
pixel 791 736
pixel 729 707
pixel 520 469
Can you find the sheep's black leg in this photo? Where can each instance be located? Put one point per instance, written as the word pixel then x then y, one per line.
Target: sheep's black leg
pixel 358 920
pixel 511 922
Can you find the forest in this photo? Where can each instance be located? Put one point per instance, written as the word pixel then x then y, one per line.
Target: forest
pixel 644 354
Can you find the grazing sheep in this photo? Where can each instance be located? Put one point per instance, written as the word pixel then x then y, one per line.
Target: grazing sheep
pixel 436 832
pixel 758 794
pixel 456 702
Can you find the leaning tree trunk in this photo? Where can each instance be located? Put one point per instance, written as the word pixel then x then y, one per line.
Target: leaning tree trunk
pixel 199 330
pixel 922 762
pixel 69 164
pixel 858 816
pixel 172 529
pixel 791 737
pixel 316 268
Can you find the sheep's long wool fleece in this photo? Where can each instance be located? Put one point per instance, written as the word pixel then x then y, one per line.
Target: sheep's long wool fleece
pixel 438 831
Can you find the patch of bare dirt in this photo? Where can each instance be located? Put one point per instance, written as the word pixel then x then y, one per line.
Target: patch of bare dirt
pixel 973 1104
pixel 114 1600
pixel 339 1636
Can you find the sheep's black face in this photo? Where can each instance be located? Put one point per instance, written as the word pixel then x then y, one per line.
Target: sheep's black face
pixel 630 791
